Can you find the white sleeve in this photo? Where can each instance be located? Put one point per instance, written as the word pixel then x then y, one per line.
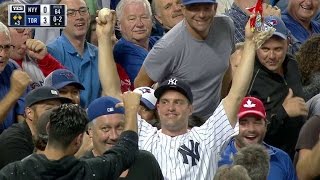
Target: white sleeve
pixel 145 130
pixel 215 131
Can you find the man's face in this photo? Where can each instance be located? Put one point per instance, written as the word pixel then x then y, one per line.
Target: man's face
pixel 145 113
pixel 199 17
pixel 272 53
pixel 252 130
pixel 174 110
pixel 304 10
pixel 70 92
pixel 169 13
pixel 18 40
pixel 78 18
pixel 135 22
pixel 39 108
pixel 5 53
pixel 105 131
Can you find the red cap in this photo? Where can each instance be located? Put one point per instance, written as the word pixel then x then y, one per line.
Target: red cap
pixel 253 106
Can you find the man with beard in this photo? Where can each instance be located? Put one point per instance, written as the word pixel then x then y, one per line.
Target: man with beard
pixel 16 141
pixel 77 55
pixel 252 130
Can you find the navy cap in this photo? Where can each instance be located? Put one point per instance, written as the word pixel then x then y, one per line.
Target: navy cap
pixel 277 23
pixel 62 77
pixel 104 106
pixel 42 94
pixel 174 84
pixel 189 2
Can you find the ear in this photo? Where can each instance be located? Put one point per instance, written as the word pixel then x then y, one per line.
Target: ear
pixel 29 113
pixel 48 127
pixel 190 109
pixel 90 133
pixel 157 17
pixel 78 140
pixel 215 7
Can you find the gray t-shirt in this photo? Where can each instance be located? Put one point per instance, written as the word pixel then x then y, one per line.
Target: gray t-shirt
pixel 200 63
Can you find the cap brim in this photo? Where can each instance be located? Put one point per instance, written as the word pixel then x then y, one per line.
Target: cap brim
pixel 147 103
pixel 63 100
pixel 160 90
pixel 65 83
pixel 199 2
pixel 251 112
pixel 283 36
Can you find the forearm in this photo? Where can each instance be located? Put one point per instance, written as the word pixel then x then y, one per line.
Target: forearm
pixel 241 81
pixel 49 64
pixel 131 119
pixel 7 103
pixel 308 166
pixel 143 79
pixel 108 74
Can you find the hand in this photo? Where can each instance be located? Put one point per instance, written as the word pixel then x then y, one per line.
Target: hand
pixel 269 10
pixel 86 146
pixel 19 82
pixel 131 100
pixel 295 106
pixel 257 37
pixel 105 27
pixel 37 49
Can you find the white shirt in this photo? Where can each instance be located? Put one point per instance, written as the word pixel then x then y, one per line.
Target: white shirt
pixel 193 155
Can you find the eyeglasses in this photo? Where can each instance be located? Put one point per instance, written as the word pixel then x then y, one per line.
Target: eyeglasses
pixel 82 11
pixel 5 47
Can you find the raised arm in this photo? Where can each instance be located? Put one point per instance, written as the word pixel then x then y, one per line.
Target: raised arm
pixel 18 85
pixel 243 73
pixel 108 74
pixel 143 79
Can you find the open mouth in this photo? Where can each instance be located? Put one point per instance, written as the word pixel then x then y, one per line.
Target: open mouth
pixel 79 25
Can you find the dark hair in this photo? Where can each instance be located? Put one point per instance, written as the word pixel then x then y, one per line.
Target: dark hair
pixel 255 159
pixel 66 123
pixel 91 25
pixel 308 58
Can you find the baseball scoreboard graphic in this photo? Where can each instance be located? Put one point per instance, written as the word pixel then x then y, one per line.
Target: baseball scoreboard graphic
pixel 42 15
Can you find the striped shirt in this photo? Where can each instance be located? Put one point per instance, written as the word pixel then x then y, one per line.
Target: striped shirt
pixel 193 155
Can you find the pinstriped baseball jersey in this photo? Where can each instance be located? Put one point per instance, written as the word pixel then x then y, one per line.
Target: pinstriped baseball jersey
pixel 193 155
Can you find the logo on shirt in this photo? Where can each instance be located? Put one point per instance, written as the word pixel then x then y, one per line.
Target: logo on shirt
pixel 193 153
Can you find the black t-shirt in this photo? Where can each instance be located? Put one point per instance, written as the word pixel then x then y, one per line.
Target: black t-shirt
pixel 145 167
pixel 15 143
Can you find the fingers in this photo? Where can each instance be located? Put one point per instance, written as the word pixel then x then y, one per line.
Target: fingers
pixel 290 94
pixel 35 45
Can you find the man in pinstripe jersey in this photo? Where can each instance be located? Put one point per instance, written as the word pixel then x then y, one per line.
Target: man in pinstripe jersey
pixel 193 154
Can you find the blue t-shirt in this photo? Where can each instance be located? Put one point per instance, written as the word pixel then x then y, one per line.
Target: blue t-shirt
pixel 131 56
pixel 281 167
pixel 18 108
pixel 297 30
pixel 85 67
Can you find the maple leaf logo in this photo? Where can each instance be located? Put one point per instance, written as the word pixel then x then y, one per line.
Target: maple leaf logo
pixel 249 104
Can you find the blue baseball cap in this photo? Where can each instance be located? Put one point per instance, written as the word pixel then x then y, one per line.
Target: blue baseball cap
pixel 174 84
pixel 277 23
pixel 190 2
pixel 62 77
pixel 104 106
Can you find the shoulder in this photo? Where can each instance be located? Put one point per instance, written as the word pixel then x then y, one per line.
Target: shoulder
pixel 223 20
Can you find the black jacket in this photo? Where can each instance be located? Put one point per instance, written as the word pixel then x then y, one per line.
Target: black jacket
pixel 108 166
pixel 272 88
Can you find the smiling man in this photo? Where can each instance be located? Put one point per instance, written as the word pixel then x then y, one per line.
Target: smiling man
pixel 298 18
pixel 77 55
pixel 252 130
pixel 277 84
pixel 189 50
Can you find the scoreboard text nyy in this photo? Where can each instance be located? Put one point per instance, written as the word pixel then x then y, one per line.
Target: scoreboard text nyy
pixel 42 15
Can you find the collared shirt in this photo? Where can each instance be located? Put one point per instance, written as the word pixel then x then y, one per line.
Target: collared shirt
pixel 85 66
pixel 297 30
pixel 281 167
pixel 240 19
pixel 18 108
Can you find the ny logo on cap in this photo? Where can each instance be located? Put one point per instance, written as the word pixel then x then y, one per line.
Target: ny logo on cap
pixel 249 104
pixel 68 75
pixel 172 81
pixel 145 90
pixel 110 109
